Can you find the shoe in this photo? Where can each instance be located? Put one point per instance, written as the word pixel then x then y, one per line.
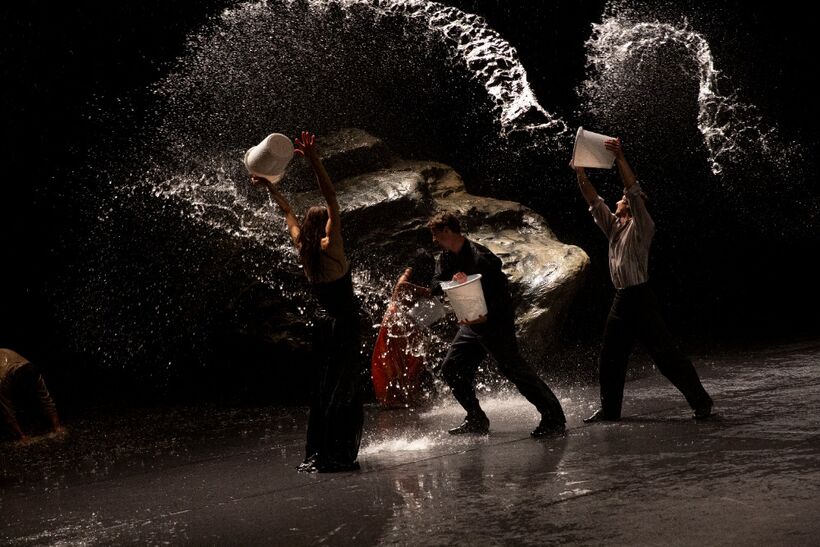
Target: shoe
pixel 308 466
pixel 703 411
pixel 476 424
pixel 548 428
pixel 599 416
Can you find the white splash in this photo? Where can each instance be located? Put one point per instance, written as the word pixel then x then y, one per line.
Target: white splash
pixel 490 58
pixel 732 129
pixel 401 444
pixel 213 197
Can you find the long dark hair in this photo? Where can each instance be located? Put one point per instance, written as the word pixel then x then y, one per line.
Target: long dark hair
pixel 309 242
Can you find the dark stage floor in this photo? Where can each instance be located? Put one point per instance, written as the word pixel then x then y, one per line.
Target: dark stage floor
pixel 749 476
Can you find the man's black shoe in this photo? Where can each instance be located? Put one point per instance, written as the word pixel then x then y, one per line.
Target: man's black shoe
pixel 599 416
pixel 472 424
pixel 548 428
pixel 703 411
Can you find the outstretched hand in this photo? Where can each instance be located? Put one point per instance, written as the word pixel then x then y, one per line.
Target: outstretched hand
pixel 615 146
pixel 306 144
pixel 578 170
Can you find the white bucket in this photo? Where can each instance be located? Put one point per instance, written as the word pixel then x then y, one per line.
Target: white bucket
pixel 427 311
pixel 589 150
pixel 466 298
pixel 270 157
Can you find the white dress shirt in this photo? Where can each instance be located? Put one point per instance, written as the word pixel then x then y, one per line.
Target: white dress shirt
pixel 629 239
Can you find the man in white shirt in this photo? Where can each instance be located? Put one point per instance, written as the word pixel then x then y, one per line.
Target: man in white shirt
pixel 635 313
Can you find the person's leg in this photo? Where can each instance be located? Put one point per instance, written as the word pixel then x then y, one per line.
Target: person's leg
pixel 459 369
pixel 671 362
pixel 501 343
pixel 316 440
pixel 460 366
pixel 315 427
pixel 619 337
pixel 344 414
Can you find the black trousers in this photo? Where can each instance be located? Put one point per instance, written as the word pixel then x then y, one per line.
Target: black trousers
pixel 336 413
pixel 468 349
pixel 635 316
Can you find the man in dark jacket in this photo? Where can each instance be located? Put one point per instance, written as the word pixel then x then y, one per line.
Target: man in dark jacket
pixel 492 334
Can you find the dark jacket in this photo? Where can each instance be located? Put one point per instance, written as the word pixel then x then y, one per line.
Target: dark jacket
pixel 478 259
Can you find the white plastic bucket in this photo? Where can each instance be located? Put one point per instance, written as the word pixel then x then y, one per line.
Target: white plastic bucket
pixel 427 311
pixel 466 298
pixel 270 157
pixel 589 150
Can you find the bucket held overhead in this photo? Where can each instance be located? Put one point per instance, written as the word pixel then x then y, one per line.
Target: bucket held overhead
pixel 589 150
pixel 269 158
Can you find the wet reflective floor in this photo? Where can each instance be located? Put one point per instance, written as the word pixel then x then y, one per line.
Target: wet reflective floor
pixel 750 475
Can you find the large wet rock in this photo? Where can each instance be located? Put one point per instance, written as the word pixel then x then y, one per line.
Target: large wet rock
pixel 385 213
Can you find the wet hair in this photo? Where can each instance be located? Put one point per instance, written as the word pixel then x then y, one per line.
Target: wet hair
pixel 309 242
pixel 444 219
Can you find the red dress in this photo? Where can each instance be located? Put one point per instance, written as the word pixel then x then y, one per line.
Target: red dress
pixel 397 366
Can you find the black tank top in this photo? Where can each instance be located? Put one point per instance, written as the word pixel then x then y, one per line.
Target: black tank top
pixel 337 297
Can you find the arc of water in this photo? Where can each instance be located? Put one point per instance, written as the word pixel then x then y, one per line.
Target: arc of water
pixel 488 57
pixel 720 117
pixel 484 51
pixel 491 59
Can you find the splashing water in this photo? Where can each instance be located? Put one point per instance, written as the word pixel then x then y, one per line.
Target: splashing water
pixel 246 72
pixel 402 444
pixel 490 58
pixel 369 64
pixel 621 49
pixel 256 38
pixel 409 433
pixel 243 73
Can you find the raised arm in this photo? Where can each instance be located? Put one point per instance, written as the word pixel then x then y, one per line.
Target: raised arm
pixel 406 289
pixel 287 210
pixel 306 146
pixel 600 212
pixel 588 191
pixel 637 205
pixel 627 176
